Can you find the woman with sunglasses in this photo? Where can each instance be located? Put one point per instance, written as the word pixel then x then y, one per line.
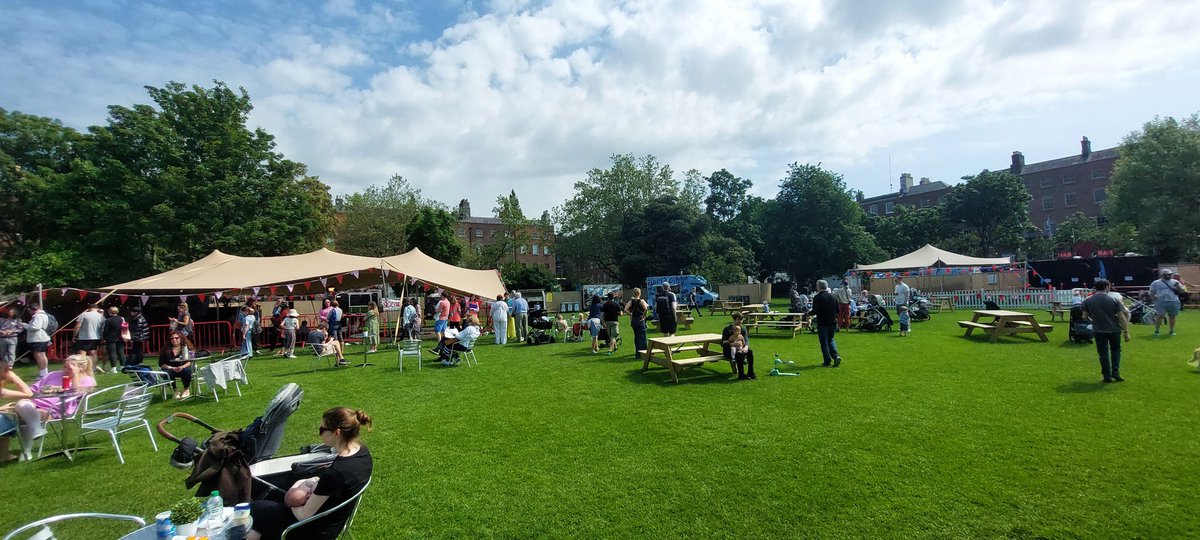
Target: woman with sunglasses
pixel 349 472
pixel 175 360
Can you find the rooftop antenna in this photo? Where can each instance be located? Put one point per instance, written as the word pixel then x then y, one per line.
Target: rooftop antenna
pixel 889 172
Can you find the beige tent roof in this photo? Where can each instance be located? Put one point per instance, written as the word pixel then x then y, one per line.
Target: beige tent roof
pixel 223 272
pixel 929 256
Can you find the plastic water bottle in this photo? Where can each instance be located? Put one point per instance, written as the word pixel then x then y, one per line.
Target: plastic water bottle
pixel 241 523
pixel 214 509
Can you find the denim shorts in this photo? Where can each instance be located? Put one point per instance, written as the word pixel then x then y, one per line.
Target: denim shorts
pixel 1167 307
pixel 440 326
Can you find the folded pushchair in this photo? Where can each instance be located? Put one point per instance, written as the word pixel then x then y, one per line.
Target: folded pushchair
pixel 1080 330
pixel 223 462
pixel 540 324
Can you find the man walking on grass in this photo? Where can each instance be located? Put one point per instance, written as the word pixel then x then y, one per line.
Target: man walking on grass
pixel 1108 322
pixel 520 313
pixel 825 308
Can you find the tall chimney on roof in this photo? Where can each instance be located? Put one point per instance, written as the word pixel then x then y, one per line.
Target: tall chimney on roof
pixel 905 183
pixel 464 209
pixel 924 180
pixel 1085 148
pixel 1018 163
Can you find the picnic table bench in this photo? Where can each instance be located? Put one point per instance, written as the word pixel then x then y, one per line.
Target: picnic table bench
pixel 1004 323
pixel 725 306
pixel 759 319
pixel 664 351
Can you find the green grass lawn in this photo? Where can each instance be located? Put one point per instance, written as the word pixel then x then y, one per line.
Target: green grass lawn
pixel 934 435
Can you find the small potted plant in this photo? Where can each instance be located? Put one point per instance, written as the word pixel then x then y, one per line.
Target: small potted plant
pixel 184 515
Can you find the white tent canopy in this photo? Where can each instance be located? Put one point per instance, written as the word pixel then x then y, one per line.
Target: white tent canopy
pixel 304 274
pixel 930 256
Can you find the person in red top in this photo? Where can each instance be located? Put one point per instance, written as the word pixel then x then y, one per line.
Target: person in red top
pixel 443 315
pixel 455 319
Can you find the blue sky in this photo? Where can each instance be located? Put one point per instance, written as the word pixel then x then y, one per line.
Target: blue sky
pixel 472 99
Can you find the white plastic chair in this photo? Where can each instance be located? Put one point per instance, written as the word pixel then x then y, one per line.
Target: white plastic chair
pixel 154 380
pixel 114 420
pixel 408 347
pixel 44 533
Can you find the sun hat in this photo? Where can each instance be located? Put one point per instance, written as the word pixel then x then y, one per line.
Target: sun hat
pixel 293 313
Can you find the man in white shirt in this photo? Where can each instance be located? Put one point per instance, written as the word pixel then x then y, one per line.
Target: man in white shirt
pixel 87 334
pixel 37 338
pixel 902 293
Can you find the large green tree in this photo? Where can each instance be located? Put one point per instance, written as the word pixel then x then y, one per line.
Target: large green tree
pixel 432 231
pixel 374 220
pixel 666 237
pixel 726 195
pixel 516 227
pixel 1078 228
pixel 1156 187
pixel 814 226
pixel 908 229
pixel 590 222
pixel 993 206
pixel 159 186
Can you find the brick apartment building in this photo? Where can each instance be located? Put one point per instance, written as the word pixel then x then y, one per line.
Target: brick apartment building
pixel 1060 187
pixel 924 194
pixel 481 231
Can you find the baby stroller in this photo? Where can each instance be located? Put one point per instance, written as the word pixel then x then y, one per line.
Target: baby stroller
pixel 918 308
pixel 540 323
pixel 1142 312
pixel 223 462
pixel 1080 330
pixel 874 316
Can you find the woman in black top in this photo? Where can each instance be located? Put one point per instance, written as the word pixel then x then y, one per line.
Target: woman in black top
pixel 343 479
pixel 636 308
pixel 110 332
pixel 176 362
pixel 139 331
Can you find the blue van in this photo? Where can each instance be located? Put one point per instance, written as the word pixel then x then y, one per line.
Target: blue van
pixel 682 286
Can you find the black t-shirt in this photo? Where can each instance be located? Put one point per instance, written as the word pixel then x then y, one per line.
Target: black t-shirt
pixel 663 308
pixel 825 307
pixel 339 482
pixel 612 311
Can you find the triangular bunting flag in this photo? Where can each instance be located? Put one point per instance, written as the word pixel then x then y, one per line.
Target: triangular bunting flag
pixel 83 294
pixel 272 289
pixel 290 286
pixel 256 291
pixel 218 294
pixel 354 273
pixel 182 298
pixel 202 297
pixel 307 284
pixel 322 281
pixel 145 298
pixel 22 299
pixel 339 278
pixel 123 298
pixel 385 273
pixel 64 290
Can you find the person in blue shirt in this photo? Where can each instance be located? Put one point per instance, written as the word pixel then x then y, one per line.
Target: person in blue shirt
pixel 520 313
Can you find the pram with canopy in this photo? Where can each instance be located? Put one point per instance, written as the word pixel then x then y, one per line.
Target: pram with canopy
pixel 227 461
pixel 540 324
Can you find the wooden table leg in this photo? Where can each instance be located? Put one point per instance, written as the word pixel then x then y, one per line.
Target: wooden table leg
pixel 1037 328
pixel 646 360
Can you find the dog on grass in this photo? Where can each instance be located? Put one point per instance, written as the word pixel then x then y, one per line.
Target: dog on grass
pixel 1195 361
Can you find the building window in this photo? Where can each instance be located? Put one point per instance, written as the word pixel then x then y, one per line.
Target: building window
pixel 1069 179
pixel 889 207
pixel 522 249
pixel 924 203
pixel 1070 200
pixel 1046 181
pixel 1048 202
pixel 534 249
pixel 1098 174
pixel 478 233
pixel 546 251
pixel 1098 195
pixel 875 209
pixel 462 233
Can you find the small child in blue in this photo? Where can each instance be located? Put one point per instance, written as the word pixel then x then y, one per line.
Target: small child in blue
pixel 904 320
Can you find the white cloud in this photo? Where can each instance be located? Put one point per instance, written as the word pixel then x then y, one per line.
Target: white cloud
pixel 530 96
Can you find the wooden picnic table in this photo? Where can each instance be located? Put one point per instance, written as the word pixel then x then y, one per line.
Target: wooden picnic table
pixel 775 319
pixel 1004 323
pixel 665 352
pixel 725 306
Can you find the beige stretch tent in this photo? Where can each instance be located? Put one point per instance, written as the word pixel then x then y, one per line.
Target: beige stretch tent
pixel 223 272
pixel 929 256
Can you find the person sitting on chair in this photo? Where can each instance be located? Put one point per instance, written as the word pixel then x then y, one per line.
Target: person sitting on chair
pixel 455 342
pixel 324 343
pixel 175 360
pixel 343 479
pixel 33 411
